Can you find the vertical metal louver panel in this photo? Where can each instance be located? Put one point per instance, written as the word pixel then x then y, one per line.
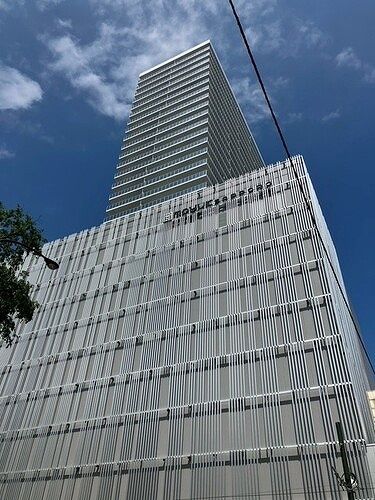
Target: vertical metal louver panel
pixel 187 354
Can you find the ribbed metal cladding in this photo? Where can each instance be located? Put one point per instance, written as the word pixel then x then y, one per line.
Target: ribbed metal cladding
pixel 185 132
pixel 195 349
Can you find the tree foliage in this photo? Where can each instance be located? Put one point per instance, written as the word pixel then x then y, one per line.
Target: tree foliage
pixel 18 232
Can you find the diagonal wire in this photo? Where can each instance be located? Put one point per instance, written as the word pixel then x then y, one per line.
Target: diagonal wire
pixel 300 184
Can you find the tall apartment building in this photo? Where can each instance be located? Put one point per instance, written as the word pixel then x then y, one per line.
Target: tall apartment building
pixel 196 348
pixel 185 132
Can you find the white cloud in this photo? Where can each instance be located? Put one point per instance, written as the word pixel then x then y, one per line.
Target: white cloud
pixel 44 4
pixel 251 98
pixel 270 29
pixel 134 35
pixel 5 4
pixel 105 71
pixel 65 23
pixel 5 154
pixel 266 37
pixel 280 82
pixel 139 35
pixel 310 34
pixel 293 117
pixel 370 74
pixel 256 8
pixel 78 64
pixel 348 58
pixel 17 91
pixel 333 115
pixel 40 4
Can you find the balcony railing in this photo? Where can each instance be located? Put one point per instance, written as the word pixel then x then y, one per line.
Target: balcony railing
pixel 185 168
pixel 160 158
pixel 151 192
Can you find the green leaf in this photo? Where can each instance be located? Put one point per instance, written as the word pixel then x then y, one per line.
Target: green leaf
pixel 19 235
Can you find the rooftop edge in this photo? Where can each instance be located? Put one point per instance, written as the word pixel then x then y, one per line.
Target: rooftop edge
pixel 206 42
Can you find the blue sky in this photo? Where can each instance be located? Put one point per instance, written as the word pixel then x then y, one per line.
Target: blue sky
pixel 68 71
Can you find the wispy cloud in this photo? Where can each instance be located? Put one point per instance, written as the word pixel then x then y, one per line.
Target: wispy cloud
pixel 5 4
pixel 284 34
pixel 45 4
pixel 79 65
pixel 251 99
pixel 14 123
pixel 17 91
pixel 5 154
pixel 64 23
pixel 40 4
pixel 293 117
pixel 348 58
pixel 311 35
pixel 333 115
pixel 135 35
pixel 105 71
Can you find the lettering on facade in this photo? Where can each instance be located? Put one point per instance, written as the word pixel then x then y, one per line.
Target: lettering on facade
pixel 221 203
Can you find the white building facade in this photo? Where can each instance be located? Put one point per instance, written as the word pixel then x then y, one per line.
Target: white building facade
pixel 185 132
pixel 196 348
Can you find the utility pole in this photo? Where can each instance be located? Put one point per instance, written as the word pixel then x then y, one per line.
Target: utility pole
pixel 349 478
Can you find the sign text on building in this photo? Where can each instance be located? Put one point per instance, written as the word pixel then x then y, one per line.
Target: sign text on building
pixel 220 202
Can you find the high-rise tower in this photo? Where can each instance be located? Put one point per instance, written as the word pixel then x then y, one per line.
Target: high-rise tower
pixel 185 132
pixel 196 348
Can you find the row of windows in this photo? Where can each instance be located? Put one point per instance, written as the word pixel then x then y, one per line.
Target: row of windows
pixel 148 89
pixel 194 146
pixel 241 474
pixel 245 375
pixel 161 136
pixel 149 437
pixel 188 343
pixel 168 102
pixel 139 351
pixel 158 140
pixel 149 179
pixel 150 223
pixel 198 246
pixel 229 269
pixel 171 121
pixel 149 171
pixel 186 105
pixel 152 156
pixel 152 218
pixel 169 252
pixel 221 262
pixel 175 65
pixel 251 260
pixel 161 187
pixel 171 348
pixel 169 196
pixel 191 80
pixel 201 71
